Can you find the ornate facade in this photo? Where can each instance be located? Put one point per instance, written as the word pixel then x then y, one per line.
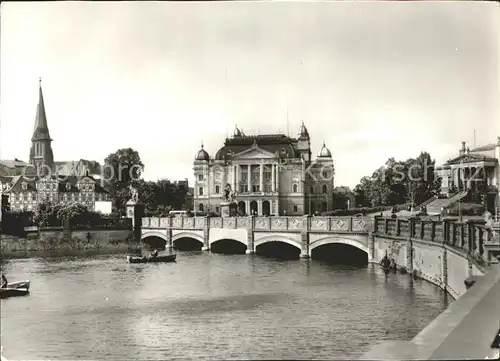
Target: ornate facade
pixel 270 174
pixel 475 170
pixel 42 178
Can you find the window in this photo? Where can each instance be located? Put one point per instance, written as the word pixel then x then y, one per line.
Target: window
pixel 25 186
pixel 216 209
pixel 217 189
pixel 243 188
pixel 200 191
pixel 312 189
pixel 295 188
pixel 200 177
pixel 324 189
pixel 325 175
pixel 325 207
pixel 200 207
pixel 255 188
pixel 295 208
pixel 267 174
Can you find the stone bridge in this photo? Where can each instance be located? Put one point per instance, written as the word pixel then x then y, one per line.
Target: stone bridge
pixel 305 233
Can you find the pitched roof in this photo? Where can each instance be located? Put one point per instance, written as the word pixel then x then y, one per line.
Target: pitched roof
pixel 483 148
pixel 13 163
pixel 274 143
pixel 18 181
pixel 471 158
pixel 78 167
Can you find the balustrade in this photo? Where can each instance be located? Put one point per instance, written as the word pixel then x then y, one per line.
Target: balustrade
pixel 468 236
pixel 290 223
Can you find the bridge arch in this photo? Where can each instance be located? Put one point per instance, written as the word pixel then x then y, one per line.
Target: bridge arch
pixel 339 240
pixel 154 234
pixel 187 235
pixel 278 238
pixel 225 239
pixel 154 239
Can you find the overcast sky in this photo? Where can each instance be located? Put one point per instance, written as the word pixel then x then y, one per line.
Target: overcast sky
pixel 371 79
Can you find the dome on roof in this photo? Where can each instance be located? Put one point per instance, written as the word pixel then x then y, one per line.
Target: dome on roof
pixel 303 133
pixel 202 154
pixel 324 152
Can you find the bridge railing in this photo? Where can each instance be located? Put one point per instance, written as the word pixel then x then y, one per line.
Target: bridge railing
pixel 289 223
pixel 469 236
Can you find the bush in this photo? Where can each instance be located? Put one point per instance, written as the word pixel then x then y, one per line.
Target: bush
pixel 13 223
pixel 49 214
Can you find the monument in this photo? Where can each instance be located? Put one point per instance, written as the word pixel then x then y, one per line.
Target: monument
pixel 135 210
pixel 228 205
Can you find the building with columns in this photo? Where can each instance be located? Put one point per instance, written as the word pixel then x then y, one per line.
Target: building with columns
pixel 270 174
pixel 476 171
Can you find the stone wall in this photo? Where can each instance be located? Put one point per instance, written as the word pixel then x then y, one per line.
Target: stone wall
pixel 444 253
pixel 57 239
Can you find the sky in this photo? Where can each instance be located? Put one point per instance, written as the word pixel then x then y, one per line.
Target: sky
pixel 372 80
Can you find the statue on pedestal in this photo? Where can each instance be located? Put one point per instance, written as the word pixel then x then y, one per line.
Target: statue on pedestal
pixel 228 205
pixel 228 194
pixel 134 194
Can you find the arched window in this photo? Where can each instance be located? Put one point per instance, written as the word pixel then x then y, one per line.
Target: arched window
pixel 324 189
pixel 217 189
pixel 295 188
pixel 200 207
pixel 200 191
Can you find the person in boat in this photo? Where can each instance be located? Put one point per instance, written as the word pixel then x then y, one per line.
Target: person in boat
pixel 4 282
pixel 154 253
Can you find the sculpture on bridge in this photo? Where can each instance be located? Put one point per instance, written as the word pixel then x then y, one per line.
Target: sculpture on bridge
pixel 228 206
pixel 134 194
pixel 228 194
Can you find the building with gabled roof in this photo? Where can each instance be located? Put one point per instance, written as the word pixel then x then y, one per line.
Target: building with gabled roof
pixel 43 178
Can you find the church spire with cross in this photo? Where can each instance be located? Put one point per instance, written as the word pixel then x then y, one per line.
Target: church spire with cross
pixel 41 154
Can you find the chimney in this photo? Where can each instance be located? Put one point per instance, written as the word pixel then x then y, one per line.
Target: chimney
pixel 462 151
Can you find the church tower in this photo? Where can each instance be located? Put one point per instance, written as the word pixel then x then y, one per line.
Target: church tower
pixel 41 156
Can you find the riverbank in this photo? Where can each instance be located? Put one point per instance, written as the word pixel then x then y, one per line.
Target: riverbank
pixel 57 240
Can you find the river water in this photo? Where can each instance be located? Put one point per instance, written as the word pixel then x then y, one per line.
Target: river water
pixel 208 306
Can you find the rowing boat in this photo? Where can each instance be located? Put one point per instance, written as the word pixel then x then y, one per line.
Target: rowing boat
pixel 157 259
pixel 13 292
pixel 19 284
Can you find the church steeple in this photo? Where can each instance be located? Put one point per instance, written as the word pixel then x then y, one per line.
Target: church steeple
pixel 41 149
pixel 41 130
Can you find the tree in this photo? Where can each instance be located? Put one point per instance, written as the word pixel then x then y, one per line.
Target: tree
pixel 421 183
pixel 148 194
pixel 397 182
pixel 122 169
